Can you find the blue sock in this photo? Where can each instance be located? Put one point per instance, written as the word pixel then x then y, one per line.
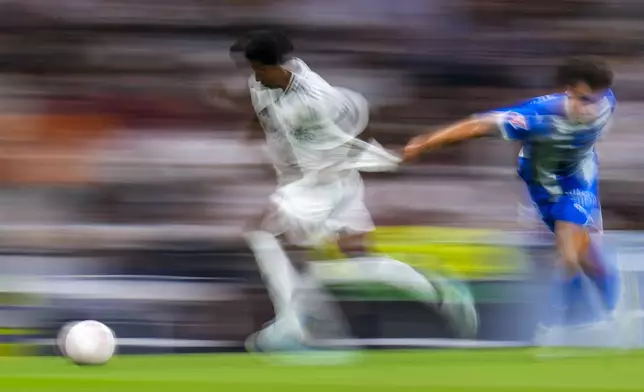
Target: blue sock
pixel 605 276
pixel 565 292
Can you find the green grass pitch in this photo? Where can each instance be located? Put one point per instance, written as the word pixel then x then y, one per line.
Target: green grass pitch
pixel 448 370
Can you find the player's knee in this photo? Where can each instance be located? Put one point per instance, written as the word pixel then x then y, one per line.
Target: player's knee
pixel 353 245
pixel 573 243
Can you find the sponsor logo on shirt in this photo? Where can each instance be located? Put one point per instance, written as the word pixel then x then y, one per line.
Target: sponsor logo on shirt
pixel 582 197
pixel 517 121
pixel 267 121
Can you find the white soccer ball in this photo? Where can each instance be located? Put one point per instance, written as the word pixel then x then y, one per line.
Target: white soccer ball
pixel 87 342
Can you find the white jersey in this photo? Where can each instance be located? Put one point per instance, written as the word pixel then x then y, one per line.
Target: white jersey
pixel 309 124
pixel 311 127
pixel 278 147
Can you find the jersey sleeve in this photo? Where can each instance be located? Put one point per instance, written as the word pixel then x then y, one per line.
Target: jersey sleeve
pixel 522 122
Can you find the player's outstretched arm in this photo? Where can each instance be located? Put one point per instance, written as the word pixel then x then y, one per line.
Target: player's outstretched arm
pixel 217 95
pixel 221 98
pixel 470 128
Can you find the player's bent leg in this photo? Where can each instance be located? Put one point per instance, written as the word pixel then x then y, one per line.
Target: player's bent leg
pixel 583 252
pixel 276 269
pixel 449 298
pixel 583 272
pixel 305 313
pixel 579 238
pixel 580 316
pixel 574 247
pixel 353 244
pixel 600 265
pixel 573 242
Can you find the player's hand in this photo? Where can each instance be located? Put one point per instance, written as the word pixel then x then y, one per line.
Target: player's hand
pixel 414 148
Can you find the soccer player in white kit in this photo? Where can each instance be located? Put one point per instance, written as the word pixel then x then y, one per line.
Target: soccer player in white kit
pixel 311 134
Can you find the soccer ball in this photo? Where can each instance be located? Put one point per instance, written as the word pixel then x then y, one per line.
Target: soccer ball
pixel 87 342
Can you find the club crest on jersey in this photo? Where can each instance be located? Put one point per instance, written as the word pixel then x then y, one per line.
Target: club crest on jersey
pixel 265 119
pixel 517 121
pixel 303 135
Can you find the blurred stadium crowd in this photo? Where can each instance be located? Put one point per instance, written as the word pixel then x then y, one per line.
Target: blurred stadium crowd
pixel 108 141
pixel 105 117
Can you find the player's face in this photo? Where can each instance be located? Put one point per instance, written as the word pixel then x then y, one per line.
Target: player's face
pixel 581 100
pixel 268 75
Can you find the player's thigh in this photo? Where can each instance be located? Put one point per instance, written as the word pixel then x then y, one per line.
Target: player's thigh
pixel 353 244
pixel 573 241
pixel 577 214
pixel 302 215
pixel 579 207
pixel 353 223
pixel 351 216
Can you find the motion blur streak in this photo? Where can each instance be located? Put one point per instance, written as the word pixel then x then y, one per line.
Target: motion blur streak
pixel 124 191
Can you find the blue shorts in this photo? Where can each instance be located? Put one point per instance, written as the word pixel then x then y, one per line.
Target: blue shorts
pixel 578 203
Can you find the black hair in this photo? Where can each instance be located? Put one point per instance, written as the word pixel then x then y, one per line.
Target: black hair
pixel 285 43
pixel 286 46
pixel 267 47
pixel 590 70
pixel 239 45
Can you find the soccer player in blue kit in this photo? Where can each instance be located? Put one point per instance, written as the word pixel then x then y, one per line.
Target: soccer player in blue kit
pixel 559 166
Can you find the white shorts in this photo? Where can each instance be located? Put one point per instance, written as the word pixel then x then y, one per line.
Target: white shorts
pixel 309 214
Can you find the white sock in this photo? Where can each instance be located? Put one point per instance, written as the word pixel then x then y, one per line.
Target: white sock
pixel 283 282
pixel 378 269
pixel 280 276
pixel 403 276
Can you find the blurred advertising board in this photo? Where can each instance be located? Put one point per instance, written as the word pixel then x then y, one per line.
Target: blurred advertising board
pixel 478 261
pixel 210 297
pixel 475 256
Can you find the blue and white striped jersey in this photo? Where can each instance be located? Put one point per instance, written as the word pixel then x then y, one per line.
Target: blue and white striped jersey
pixel 556 146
